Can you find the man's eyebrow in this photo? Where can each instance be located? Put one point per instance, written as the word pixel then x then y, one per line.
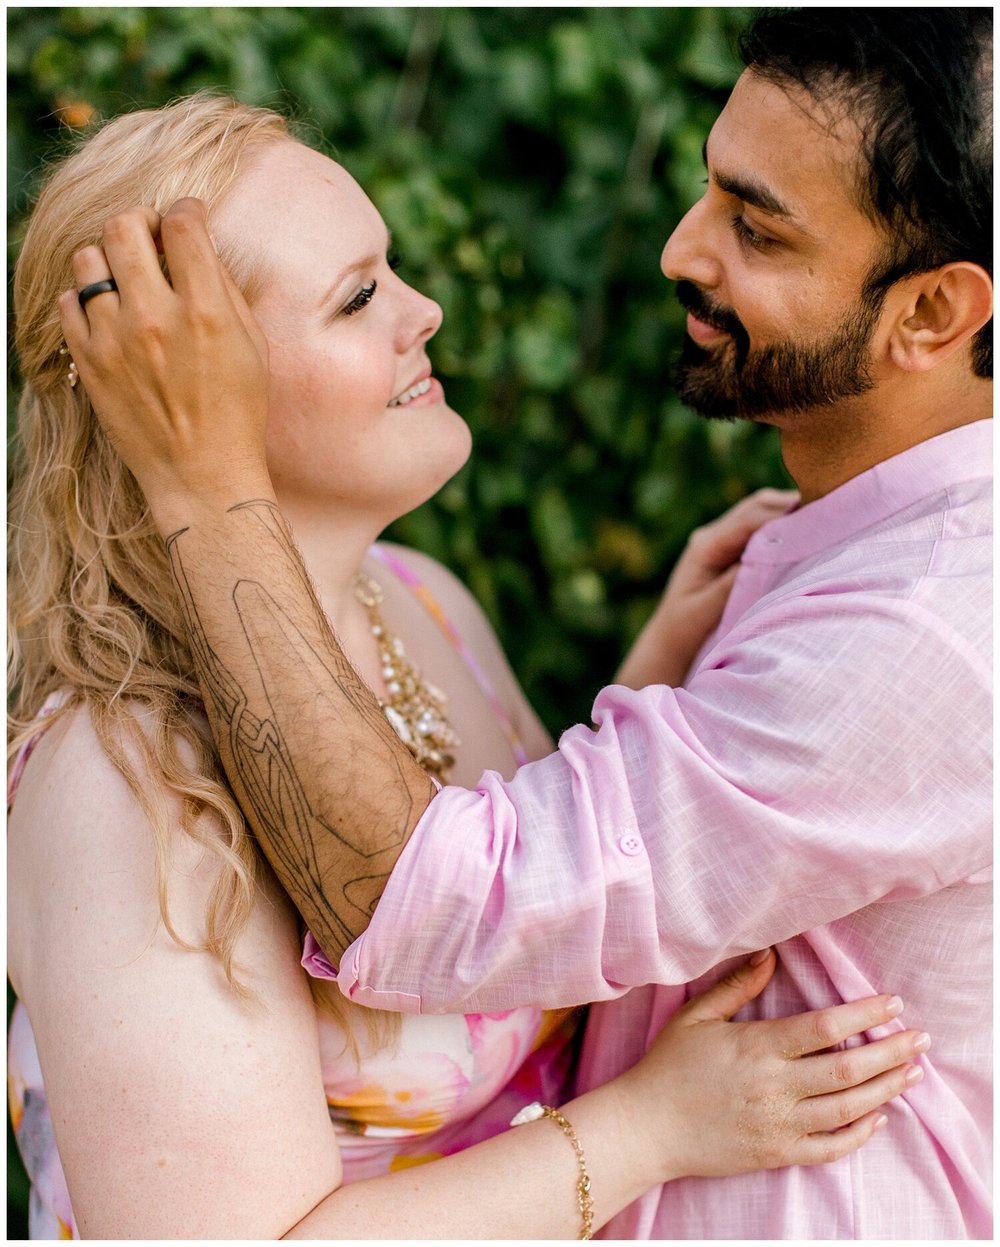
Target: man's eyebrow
pixel 753 192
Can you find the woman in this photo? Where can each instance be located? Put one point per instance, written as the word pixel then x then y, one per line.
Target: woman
pixel 200 1090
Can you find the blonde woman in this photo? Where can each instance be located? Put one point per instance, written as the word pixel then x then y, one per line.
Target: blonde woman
pixel 172 1073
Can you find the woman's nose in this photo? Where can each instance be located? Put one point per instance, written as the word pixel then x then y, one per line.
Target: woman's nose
pixel 422 319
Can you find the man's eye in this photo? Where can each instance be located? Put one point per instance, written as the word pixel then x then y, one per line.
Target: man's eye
pixel 361 299
pixel 749 237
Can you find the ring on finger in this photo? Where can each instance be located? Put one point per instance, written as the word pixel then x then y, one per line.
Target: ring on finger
pixel 95 288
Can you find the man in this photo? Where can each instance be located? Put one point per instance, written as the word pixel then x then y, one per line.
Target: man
pixel 821 782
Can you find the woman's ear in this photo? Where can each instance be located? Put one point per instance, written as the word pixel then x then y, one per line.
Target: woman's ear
pixel 942 309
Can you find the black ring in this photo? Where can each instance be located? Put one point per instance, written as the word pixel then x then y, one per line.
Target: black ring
pixel 95 288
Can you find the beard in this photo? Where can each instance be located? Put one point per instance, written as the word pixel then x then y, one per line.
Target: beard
pixel 732 381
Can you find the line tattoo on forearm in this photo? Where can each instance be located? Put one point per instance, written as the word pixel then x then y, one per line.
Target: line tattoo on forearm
pixel 311 758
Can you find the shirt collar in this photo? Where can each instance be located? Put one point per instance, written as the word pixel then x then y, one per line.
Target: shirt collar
pixel 959 455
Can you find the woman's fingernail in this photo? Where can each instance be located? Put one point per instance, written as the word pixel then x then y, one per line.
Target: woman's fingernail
pixel 913 1075
pixel 922 1042
pixel 880 1121
pixel 758 958
pixel 894 1006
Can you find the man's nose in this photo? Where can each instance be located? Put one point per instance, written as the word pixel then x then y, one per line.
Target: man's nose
pixel 687 255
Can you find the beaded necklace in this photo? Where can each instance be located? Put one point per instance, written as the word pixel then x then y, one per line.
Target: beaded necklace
pixel 415 709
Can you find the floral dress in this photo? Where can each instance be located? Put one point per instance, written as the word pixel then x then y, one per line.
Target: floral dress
pixel 446 1083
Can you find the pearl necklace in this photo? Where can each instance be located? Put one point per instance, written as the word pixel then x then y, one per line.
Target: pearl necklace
pixel 415 709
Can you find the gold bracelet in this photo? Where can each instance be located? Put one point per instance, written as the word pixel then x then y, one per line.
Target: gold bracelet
pixel 534 1112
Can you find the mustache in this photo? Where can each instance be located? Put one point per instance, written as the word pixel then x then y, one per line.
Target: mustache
pixel 695 301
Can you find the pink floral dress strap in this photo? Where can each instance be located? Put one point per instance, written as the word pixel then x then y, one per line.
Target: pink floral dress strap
pixel 434 609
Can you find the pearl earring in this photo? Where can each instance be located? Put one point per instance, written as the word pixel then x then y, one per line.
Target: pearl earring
pixel 72 375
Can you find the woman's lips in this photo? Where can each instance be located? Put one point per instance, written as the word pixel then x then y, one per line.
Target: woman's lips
pixel 702 333
pixel 433 394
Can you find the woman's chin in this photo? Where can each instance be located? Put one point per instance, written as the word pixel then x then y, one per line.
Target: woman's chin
pixel 407 473
pixel 447 447
pixel 451 454
pixel 463 441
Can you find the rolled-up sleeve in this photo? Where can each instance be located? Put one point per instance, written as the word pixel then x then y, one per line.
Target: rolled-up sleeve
pixel 829 753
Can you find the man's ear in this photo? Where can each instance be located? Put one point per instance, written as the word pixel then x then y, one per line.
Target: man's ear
pixel 939 313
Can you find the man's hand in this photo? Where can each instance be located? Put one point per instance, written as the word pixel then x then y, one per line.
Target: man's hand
pixel 176 370
pixel 696 593
pixel 699 586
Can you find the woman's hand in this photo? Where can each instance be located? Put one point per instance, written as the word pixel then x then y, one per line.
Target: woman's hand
pixel 697 590
pixel 719 1097
pixel 176 370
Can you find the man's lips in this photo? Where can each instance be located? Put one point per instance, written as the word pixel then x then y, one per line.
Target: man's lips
pixel 703 333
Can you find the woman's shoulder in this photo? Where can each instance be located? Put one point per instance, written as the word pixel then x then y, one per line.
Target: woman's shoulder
pixel 469 621
pixel 453 600
pixel 442 584
pixel 64 771
pixel 72 832
pixel 84 863
pixel 71 787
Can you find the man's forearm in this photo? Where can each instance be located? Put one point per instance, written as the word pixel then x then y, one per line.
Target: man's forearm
pixel 330 791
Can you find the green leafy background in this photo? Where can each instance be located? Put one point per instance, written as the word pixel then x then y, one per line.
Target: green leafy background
pixel 530 163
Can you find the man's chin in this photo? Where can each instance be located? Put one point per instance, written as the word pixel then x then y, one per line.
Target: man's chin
pixel 706 394
pixel 718 403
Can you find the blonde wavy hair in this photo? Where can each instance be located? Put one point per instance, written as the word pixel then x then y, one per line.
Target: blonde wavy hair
pixel 92 604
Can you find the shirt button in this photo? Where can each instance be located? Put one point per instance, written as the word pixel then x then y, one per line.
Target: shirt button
pixel 630 844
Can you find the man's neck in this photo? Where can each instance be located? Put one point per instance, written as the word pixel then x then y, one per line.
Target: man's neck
pixel 826 447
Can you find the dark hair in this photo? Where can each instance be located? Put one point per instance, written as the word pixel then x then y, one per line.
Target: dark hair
pixel 918 81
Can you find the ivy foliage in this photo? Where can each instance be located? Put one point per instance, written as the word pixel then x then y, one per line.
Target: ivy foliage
pixel 530 164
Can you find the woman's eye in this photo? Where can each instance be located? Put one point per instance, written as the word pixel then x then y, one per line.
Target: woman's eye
pixel 749 237
pixel 361 299
pixel 365 295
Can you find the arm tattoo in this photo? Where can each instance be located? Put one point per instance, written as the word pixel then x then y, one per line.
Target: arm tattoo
pixel 329 789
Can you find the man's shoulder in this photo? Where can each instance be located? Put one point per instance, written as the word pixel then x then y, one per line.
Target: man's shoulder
pixel 918 581
pixel 946 535
pixel 963 509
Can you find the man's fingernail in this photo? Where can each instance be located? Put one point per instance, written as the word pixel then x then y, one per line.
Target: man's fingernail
pixel 760 957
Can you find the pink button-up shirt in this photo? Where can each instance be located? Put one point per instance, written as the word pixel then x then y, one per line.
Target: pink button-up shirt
pixel 822 784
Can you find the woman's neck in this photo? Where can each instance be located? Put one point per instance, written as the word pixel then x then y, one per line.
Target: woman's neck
pixel 333 545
